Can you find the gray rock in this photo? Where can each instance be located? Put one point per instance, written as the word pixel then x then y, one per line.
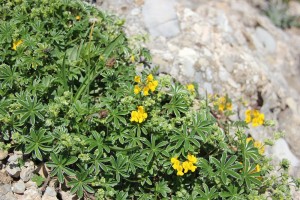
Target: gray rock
pixel 3 154
pixel 67 195
pixel 266 39
pixel 8 196
pixel 14 158
pixel 281 150
pixel 19 187
pixel 188 58
pixel 32 194
pixel 4 189
pixel 50 191
pixel 30 184
pixel 13 169
pixel 26 173
pixel 160 18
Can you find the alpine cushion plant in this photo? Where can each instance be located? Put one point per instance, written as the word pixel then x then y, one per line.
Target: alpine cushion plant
pixel 71 98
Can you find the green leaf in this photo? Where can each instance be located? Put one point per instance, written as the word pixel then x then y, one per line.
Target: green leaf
pixel 38 180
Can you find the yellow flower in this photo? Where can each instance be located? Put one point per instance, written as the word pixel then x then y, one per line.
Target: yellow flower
pixel 228 106
pixel 78 17
pixel 255 117
pixel 257 168
pixel 249 139
pixel 146 91
pixel 16 44
pixel 132 59
pixel 176 164
pixel 137 79
pixel 138 116
pixel 179 171
pixel 191 87
pixel 260 146
pixel 186 166
pixel 192 159
pixel 149 78
pixel 137 89
pixel 192 167
pixel 173 160
pixel 221 107
pixel 152 85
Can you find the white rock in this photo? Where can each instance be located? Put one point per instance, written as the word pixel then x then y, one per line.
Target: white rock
pixel 26 173
pixel 31 184
pixel 266 39
pixel 50 191
pixel 13 169
pixel 281 150
pixel 19 187
pixel 8 196
pixel 32 194
pixel 160 18
pixel 3 154
pixel 4 189
pixel 67 195
pixel 14 158
pixel 223 23
pixel 188 58
pixel 135 11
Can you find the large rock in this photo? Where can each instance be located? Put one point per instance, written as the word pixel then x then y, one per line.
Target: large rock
pixel 160 18
pixel 19 187
pixel 50 194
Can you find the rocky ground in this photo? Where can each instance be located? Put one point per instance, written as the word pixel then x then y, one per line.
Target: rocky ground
pixel 224 46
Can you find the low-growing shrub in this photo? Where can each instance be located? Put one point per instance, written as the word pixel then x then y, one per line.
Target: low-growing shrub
pixel 71 98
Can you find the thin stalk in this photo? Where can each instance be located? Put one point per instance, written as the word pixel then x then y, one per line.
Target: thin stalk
pixel 89 58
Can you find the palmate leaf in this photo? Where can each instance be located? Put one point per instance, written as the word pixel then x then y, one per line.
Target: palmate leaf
pixel 185 140
pixel 233 193
pixel 177 105
pixel 81 183
pixel 162 188
pixel 8 75
pixel 136 161
pixel 37 142
pixel 152 149
pixel 115 116
pixel 97 163
pixel 249 176
pixel 119 166
pixel 207 194
pixel 202 124
pixel 206 168
pixel 97 141
pixel 59 165
pixel 6 31
pixel 249 151
pixel 4 103
pixel 226 167
pixel 31 109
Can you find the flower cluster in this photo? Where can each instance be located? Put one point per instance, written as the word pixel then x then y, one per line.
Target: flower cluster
pixel 16 44
pixel 259 145
pixel 191 88
pixel 223 103
pixel 255 117
pixel 138 116
pixel 150 84
pixel 184 167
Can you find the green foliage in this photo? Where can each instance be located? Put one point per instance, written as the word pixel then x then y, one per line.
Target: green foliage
pixel 38 180
pixel 67 76
pixel 277 12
